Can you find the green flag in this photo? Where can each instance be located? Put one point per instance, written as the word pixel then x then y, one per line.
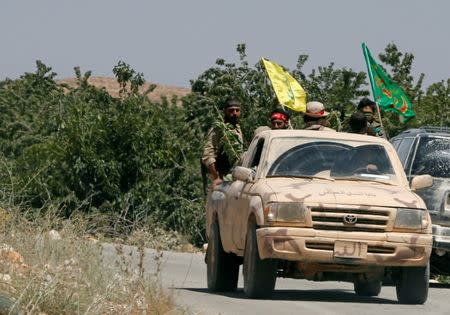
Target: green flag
pixel 388 95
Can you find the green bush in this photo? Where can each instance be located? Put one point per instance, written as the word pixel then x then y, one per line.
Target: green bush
pixel 83 149
pixel 79 149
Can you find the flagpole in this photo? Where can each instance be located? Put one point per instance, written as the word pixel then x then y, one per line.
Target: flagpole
pixel 369 70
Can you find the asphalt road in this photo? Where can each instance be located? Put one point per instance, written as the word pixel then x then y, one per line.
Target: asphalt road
pixel 184 275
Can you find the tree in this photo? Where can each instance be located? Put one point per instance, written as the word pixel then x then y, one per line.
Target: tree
pixel 81 149
pixel 434 107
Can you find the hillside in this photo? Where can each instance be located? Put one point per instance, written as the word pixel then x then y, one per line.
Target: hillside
pixel 111 85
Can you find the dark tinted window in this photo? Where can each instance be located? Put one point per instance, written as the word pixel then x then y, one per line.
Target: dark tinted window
pixel 339 159
pixel 404 148
pixel 432 157
pixel 360 159
pixel 396 142
pixel 407 165
pixel 307 159
pixel 257 157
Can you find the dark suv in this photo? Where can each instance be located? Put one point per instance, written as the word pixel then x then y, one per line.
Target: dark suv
pixel 426 150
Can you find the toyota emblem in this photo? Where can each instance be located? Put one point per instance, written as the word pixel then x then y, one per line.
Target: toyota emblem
pixel 350 219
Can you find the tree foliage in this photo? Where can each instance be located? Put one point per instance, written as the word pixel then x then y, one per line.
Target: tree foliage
pixel 81 149
pixel 84 150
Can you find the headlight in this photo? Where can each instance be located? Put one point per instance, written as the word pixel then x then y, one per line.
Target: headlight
pixel 285 212
pixel 411 219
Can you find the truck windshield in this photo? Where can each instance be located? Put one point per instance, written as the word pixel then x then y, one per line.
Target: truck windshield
pixel 337 160
pixel 432 157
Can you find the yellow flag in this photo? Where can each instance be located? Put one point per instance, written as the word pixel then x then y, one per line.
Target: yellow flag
pixel 289 92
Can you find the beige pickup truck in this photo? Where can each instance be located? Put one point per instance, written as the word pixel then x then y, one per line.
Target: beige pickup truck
pixel 319 205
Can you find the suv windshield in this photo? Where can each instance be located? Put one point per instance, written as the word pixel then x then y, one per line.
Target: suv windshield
pixel 333 159
pixel 432 157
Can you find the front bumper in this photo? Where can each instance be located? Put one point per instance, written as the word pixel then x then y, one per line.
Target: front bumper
pixel 441 237
pixel 318 246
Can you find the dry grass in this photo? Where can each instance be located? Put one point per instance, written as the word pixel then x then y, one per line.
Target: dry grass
pixel 111 85
pixel 152 236
pixel 47 274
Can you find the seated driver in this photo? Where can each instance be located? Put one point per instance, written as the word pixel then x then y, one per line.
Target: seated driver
pixel 364 159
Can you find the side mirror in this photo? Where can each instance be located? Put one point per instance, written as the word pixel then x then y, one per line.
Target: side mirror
pixel 242 173
pixel 421 181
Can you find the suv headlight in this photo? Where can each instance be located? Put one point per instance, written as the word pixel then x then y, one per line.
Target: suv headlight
pixel 285 212
pixel 411 219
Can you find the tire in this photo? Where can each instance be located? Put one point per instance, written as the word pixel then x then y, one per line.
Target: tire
pixel 222 269
pixel 412 285
pixel 259 275
pixel 367 288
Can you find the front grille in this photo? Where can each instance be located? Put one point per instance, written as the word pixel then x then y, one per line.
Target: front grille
pixel 380 249
pixel 372 249
pixel 366 220
pixel 319 245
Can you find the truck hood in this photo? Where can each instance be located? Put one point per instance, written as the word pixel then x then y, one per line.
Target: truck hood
pixel 369 193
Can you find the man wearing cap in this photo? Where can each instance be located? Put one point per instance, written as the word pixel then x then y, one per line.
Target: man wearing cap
pixel 369 108
pixel 279 118
pixel 214 156
pixel 315 117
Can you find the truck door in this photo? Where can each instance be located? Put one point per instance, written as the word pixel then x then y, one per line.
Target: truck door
pixel 231 212
pixel 242 202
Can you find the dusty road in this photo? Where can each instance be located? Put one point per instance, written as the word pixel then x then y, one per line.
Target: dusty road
pixel 185 275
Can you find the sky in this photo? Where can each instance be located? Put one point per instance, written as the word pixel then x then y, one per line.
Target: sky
pixel 172 42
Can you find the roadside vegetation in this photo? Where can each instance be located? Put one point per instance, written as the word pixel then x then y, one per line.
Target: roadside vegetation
pixel 125 168
pixel 48 272
pixel 130 163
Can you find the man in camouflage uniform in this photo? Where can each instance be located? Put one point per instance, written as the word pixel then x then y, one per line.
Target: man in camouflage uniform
pixel 369 109
pixel 315 117
pixel 224 146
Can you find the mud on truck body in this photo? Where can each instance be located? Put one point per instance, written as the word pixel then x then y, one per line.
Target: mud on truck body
pixel 319 205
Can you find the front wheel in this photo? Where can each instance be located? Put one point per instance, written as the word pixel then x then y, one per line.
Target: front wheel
pixel 222 268
pixel 259 274
pixel 367 288
pixel 412 285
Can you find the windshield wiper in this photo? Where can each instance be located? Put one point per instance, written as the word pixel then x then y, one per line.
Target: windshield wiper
pixel 364 179
pixel 304 176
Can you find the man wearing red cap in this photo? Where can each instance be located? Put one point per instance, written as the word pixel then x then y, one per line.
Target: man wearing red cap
pixel 280 118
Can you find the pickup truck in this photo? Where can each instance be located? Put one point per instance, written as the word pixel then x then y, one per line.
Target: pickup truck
pixel 319 205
